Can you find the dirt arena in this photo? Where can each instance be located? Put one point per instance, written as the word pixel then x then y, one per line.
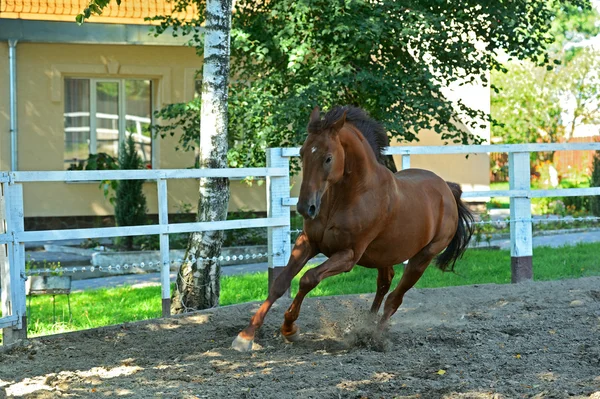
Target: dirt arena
pixel 535 340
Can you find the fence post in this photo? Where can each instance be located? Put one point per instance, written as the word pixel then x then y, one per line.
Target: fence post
pixel 521 240
pixel 13 196
pixel 163 220
pixel 405 161
pixel 5 287
pixel 278 188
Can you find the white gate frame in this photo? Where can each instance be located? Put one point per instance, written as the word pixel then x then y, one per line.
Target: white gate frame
pixel 12 264
pixel 278 188
pixel 13 237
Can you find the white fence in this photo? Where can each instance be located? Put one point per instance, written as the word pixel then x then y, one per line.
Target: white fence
pixel 13 237
pixel 520 192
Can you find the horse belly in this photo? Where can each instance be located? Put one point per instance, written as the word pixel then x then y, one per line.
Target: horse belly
pixel 381 253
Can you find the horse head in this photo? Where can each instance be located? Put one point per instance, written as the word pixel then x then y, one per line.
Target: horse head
pixel 323 161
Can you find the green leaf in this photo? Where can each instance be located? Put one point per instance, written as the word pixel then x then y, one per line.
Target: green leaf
pixel 372 54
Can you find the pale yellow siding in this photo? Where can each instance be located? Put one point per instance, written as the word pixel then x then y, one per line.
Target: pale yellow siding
pixel 4 109
pixel 40 70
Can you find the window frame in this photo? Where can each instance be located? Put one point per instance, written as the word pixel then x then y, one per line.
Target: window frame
pixel 121 109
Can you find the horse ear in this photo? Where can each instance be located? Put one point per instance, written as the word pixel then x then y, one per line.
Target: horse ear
pixel 315 115
pixel 337 125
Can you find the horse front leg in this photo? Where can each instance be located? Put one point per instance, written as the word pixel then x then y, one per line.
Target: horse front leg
pixel 302 252
pixel 340 262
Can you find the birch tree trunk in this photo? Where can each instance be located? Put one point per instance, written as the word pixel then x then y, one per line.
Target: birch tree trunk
pixel 198 283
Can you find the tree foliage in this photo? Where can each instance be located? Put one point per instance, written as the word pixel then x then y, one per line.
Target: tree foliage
pixel 94 7
pixel 392 58
pixel 545 104
pixel 571 25
pixel 581 89
pixel 527 105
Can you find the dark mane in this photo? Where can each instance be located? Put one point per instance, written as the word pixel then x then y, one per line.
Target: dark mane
pixel 370 128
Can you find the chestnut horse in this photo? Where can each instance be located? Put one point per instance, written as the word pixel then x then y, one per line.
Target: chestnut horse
pixel 356 211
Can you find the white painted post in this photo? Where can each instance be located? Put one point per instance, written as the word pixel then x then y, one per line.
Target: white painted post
pixel 521 240
pixel 405 165
pixel 5 295
pixel 13 195
pixel 163 220
pixel 278 189
pixel 405 161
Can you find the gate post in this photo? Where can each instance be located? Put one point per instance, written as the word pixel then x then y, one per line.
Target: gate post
pixel 278 188
pixel 16 306
pixel 165 270
pixel 521 240
pixel 405 161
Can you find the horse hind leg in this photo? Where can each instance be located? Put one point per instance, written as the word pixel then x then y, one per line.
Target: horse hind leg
pixel 412 273
pixel 385 276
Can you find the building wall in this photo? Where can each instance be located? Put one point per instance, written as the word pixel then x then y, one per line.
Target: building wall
pixel 41 69
pixel 4 109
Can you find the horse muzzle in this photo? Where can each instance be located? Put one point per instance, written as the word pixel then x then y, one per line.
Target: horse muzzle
pixel 309 209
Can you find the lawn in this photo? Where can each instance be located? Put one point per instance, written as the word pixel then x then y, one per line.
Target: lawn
pixel 117 305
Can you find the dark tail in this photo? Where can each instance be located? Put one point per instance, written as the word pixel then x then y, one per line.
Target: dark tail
pixel 463 234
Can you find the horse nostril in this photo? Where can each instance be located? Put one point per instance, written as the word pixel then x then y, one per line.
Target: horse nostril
pixel 312 210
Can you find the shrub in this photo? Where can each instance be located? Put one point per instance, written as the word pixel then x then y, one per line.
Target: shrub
pixel 99 161
pixel 575 204
pixel 130 204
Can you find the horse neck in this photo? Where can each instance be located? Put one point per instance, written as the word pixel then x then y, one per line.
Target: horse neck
pixel 362 172
pixel 361 166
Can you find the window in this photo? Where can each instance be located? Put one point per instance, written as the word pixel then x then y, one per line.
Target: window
pixel 101 113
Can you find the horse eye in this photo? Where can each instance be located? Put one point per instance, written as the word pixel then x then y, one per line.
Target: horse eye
pixel 329 159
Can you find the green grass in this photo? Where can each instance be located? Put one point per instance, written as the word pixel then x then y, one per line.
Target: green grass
pixel 103 307
pixel 93 308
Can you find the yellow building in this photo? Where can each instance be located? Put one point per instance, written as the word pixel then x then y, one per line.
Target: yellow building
pixel 79 89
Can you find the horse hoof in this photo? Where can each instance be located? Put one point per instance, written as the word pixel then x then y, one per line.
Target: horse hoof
pixel 295 336
pixel 242 344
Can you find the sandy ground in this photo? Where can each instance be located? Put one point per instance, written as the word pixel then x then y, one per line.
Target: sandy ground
pixel 535 340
